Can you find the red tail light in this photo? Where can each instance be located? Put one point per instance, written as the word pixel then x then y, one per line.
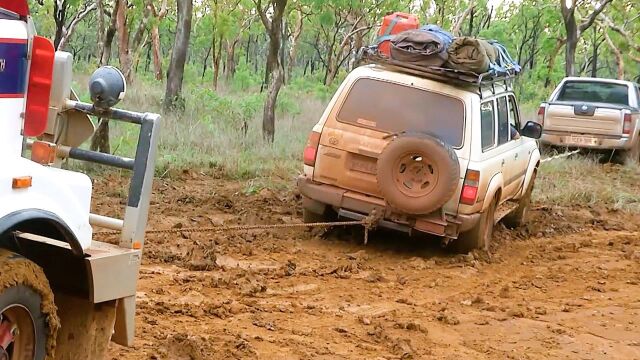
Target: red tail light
pixel 470 188
pixel 541 113
pixel 311 150
pixel 626 126
pixel 20 7
pixel 39 88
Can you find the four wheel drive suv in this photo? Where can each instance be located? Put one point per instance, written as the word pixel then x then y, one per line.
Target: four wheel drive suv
pixel 424 154
pixel 594 113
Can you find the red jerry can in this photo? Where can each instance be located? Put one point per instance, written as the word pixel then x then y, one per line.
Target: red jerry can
pixel 394 24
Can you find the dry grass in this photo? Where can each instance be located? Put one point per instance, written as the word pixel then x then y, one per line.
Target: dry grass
pixel 584 180
pixel 209 135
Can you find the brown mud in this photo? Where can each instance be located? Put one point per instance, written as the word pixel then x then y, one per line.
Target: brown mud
pixel 567 286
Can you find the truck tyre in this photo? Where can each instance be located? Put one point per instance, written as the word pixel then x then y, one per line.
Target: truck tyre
pixel 26 302
pixel 520 215
pixel 479 237
pixel 417 173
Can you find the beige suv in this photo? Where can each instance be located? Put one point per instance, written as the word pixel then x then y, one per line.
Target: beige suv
pixel 423 152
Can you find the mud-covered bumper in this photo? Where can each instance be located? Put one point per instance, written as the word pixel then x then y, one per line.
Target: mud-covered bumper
pixel 602 142
pixel 316 197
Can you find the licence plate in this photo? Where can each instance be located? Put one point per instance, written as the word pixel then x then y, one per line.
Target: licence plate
pixel 581 140
pixel 364 166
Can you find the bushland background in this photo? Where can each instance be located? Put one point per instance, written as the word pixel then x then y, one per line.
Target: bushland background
pixel 241 82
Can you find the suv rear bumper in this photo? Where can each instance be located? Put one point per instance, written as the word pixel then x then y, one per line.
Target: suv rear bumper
pixel 316 197
pixel 605 142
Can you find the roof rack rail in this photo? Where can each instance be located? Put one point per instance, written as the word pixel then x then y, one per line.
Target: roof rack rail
pixel 483 81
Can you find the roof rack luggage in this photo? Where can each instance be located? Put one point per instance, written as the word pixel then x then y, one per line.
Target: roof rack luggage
pixel 487 80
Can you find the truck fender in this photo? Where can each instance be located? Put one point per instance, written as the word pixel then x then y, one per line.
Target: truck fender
pixel 534 163
pixel 495 185
pixel 43 223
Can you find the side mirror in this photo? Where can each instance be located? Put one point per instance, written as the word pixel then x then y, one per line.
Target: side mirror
pixel 532 130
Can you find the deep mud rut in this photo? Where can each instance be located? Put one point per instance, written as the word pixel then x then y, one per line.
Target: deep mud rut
pixel 567 286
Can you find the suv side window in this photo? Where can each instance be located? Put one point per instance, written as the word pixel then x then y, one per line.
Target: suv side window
pixel 488 125
pixel 514 117
pixel 503 121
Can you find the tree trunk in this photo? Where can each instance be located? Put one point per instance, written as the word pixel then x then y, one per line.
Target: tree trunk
pixel 269 115
pixel 231 58
pixel 217 56
pixel 100 140
pixel 572 43
pixel 157 52
pixel 618 56
pixel 205 63
pixel 59 17
pixel 124 53
pixel 155 39
pixel 175 74
pixel 552 61
pixel 573 30
pixel 100 15
pixel 594 55
pixel 297 32
pixel 276 71
pixel 108 40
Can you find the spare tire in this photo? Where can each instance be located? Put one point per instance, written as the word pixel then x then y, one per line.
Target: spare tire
pixel 417 173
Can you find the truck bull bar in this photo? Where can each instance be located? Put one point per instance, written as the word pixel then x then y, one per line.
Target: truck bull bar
pixel 112 271
pixel 134 224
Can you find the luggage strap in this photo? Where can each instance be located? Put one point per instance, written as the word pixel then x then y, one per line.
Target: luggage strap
pixel 387 33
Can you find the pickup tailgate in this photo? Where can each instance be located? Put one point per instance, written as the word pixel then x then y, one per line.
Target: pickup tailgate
pixel 584 118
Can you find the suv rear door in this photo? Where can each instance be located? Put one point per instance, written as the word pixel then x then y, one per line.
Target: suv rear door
pixel 359 127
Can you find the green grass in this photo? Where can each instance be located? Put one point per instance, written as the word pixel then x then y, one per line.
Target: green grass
pixel 210 134
pixel 585 181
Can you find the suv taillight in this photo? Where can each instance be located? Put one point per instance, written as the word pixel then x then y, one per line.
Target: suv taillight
pixel 626 126
pixel 541 112
pixel 470 187
pixel 311 150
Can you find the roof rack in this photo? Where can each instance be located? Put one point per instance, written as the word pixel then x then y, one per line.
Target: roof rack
pixel 482 81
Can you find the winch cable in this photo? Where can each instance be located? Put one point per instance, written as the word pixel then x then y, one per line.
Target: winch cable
pixel 369 223
pixel 559 156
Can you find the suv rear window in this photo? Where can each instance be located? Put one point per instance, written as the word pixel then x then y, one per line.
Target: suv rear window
pixel 393 108
pixel 594 91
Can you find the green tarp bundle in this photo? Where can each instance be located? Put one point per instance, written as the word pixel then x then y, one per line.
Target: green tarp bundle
pixel 471 54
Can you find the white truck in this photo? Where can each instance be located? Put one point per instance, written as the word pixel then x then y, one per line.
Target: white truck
pixel 593 113
pixel 62 294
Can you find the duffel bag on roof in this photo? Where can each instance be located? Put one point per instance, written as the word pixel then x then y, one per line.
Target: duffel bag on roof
pixel 471 54
pixel 417 47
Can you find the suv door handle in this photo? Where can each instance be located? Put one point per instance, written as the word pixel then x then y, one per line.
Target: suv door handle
pixel 503 162
pixel 517 156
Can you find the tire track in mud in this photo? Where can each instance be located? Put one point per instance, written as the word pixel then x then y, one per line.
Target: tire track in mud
pixel 566 286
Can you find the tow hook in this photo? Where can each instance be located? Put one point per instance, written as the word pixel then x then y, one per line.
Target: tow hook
pixel 370 223
pixel 7 335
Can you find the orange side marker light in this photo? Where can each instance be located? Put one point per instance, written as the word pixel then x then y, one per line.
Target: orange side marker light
pixel 22 182
pixel 43 152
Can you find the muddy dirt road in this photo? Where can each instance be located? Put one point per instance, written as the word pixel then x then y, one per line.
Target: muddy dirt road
pixel 567 287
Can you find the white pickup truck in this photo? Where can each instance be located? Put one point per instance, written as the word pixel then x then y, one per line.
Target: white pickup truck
pixel 63 295
pixel 594 113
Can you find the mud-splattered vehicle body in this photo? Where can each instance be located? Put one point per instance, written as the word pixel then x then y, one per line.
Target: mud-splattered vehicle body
pixel 425 153
pixel 62 294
